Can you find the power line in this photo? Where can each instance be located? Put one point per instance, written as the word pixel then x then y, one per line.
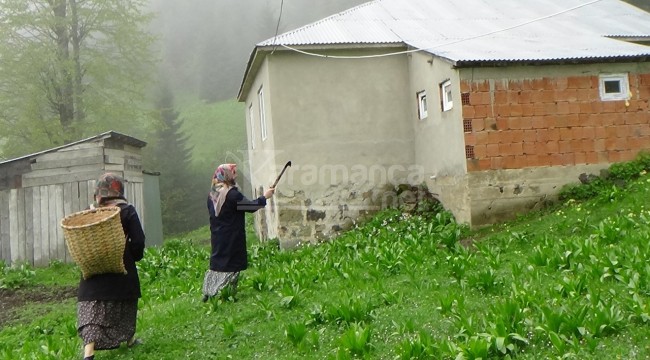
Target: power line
pixel 277 26
pixel 437 46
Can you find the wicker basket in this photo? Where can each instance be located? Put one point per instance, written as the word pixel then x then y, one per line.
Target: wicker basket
pixel 95 239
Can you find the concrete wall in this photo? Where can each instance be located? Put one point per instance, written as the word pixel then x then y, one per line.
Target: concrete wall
pixel 345 125
pixel 439 143
pixel 261 154
pixel 535 118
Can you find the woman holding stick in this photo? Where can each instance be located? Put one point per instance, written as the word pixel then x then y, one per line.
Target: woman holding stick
pixel 227 208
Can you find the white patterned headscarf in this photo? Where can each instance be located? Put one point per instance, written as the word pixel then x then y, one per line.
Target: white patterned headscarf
pixel 222 181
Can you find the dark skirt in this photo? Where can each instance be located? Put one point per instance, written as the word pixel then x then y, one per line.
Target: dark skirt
pixel 106 323
pixel 215 281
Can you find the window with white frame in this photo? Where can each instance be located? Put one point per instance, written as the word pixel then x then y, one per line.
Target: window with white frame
pixel 260 97
pixel 613 87
pixel 422 104
pixel 251 122
pixel 445 95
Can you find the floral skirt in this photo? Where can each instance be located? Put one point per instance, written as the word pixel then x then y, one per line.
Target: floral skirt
pixel 106 323
pixel 215 281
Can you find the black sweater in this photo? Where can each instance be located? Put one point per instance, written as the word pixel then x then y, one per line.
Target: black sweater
pixel 119 286
pixel 228 231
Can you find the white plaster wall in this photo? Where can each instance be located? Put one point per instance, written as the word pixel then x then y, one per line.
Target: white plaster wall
pixel 261 156
pixel 439 140
pixel 345 125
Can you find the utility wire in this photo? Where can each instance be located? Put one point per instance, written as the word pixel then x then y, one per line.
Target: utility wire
pixel 277 27
pixel 437 46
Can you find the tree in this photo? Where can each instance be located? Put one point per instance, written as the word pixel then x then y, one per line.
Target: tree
pixel 182 209
pixel 70 68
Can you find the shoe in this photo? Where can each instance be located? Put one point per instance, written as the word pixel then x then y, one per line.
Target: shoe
pixel 134 342
pixel 91 357
pixel 205 298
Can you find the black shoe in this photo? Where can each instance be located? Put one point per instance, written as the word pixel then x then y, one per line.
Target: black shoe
pixel 205 298
pixel 91 357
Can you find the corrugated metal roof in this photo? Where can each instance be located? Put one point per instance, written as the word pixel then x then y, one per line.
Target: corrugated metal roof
pixel 486 30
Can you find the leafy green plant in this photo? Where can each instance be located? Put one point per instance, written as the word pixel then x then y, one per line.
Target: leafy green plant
pixel 419 346
pixel 356 340
pixel 13 277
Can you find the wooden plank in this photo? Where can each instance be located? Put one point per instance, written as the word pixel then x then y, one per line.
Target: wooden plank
pixel 67 170
pixel 29 225
pixel 84 145
pixel 5 249
pixel 36 220
pixel 115 152
pixel 56 233
pixel 114 168
pixel 53 164
pixel 60 179
pixel 69 197
pixel 44 229
pixel 83 193
pixel 134 176
pixel 90 194
pixel 13 226
pixel 74 197
pixel 70 154
pixel 22 241
pixel 52 221
pixel 132 149
pixel 113 160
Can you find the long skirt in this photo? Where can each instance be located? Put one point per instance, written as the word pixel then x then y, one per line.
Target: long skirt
pixel 215 281
pixel 106 323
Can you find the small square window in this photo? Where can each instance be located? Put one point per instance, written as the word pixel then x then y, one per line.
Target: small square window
pixel 445 95
pixel 422 104
pixel 614 87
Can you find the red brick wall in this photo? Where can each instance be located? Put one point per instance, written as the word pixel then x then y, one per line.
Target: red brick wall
pixel 552 121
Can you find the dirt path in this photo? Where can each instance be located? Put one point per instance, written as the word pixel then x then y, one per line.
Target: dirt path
pixel 12 300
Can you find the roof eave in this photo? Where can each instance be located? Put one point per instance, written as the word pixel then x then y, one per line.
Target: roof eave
pixel 105 135
pixel 591 60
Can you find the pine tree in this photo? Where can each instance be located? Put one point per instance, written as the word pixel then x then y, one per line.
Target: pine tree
pixel 171 155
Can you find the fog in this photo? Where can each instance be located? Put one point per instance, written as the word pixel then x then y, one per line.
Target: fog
pixel 206 43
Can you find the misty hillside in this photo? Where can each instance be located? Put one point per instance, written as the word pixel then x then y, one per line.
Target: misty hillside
pixel 206 43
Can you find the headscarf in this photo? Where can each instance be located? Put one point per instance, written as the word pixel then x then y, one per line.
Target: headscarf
pixel 222 181
pixel 109 190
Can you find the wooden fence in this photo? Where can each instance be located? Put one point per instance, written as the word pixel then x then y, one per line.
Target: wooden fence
pixel 30 219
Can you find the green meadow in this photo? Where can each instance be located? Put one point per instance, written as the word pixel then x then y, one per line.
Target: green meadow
pixel 568 282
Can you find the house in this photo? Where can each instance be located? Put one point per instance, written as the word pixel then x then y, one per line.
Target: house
pixel 38 190
pixel 492 105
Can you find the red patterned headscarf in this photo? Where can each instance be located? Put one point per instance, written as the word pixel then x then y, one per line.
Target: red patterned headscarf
pixel 222 181
pixel 109 189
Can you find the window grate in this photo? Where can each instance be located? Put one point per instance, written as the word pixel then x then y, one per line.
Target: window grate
pixel 469 152
pixel 467 125
pixel 464 98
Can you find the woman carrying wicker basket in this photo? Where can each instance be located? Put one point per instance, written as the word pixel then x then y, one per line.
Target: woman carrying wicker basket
pixel 227 208
pixel 108 303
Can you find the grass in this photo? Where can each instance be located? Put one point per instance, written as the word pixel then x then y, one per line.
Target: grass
pixel 572 282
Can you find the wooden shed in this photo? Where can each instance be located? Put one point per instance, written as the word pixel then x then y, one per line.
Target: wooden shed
pixel 38 190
